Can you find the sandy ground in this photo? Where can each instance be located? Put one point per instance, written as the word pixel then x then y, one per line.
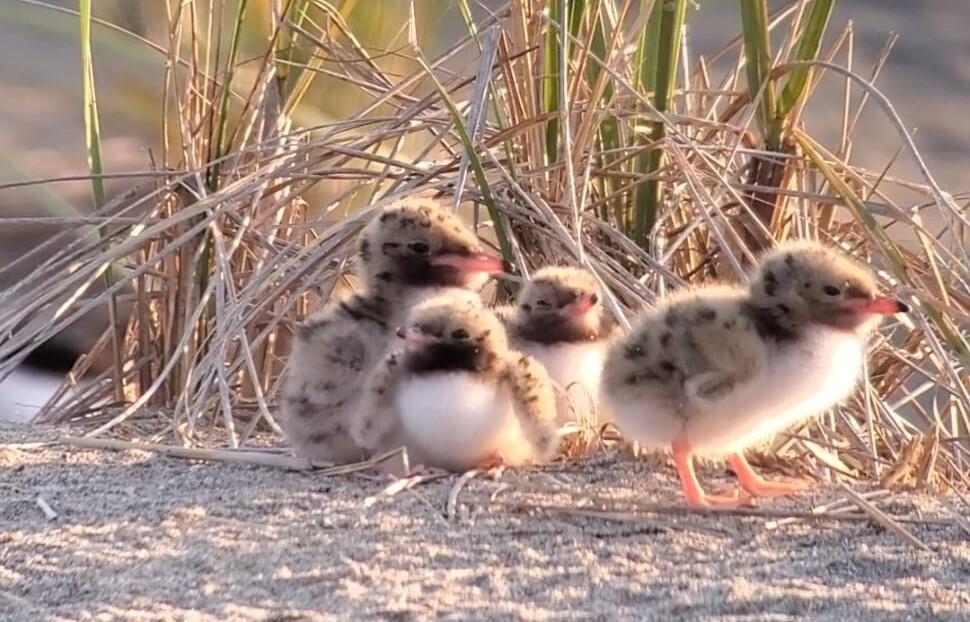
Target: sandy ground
pixel 143 537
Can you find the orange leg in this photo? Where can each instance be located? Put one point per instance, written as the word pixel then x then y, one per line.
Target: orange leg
pixel 756 485
pixel 692 489
pixel 492 461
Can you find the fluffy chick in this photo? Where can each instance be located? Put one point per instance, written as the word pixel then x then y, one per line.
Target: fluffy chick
pixel 455 395
pixel 560 321
pixel 716 370
pixel 411 250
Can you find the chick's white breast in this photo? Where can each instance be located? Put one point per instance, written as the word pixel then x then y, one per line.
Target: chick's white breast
pixel 577 368
pixel 800 379
pixel 456 419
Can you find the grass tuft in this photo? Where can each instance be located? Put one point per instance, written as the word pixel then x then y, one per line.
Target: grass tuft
pixel 654 180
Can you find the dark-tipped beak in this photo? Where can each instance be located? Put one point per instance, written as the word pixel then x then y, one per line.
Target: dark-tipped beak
pixel 472 262
pixel 877 306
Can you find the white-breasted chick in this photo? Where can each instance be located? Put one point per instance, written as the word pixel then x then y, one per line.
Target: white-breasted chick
pixel 715 370
pixel 455 395
pixel 412 250
pixel 560 321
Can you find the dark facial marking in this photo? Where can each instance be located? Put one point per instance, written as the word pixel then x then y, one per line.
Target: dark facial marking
pixel 665 338
pixel 419 248
pixel 460 333
pixel 770 289
pixel 441 356
pixel 388 248
pixel 554 328
pixel 831 290
pixel 365 250
pixel 417 271
pixel 790 260
pixel 526 307
pixel 784 309
pixel 729 324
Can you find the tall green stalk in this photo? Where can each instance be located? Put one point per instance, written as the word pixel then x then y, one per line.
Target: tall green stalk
pixel 218 149
pixel 92 140
pixel 658 53
pixel 757 56
pixel 567 14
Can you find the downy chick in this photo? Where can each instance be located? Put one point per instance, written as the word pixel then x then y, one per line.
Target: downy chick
pixel 412 250
pixel 455 395
pixel 715 370
pixel 560 321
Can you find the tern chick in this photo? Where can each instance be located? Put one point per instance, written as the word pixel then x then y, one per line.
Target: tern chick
pixel 715 370
pixel 560 321
pixel 411 250
pixel 455 395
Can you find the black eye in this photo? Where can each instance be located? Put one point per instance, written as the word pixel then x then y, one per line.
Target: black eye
pixel 419 248
pixel 832 290
pixel 593 299
pixel 542 303
pixel 461 333
pixel 424 328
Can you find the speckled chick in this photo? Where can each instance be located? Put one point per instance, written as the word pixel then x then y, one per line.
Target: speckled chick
pixel 560 321
pixel 715 370
pixel 411 250
pixel 456 396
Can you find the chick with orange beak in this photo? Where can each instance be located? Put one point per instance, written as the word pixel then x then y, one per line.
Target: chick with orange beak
pixel 560 321
pixel 411 251
pixel 715 370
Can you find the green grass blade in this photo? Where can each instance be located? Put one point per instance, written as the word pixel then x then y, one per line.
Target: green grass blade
pixel 648 49
pixel 754 24
pixel 92 139
pixel 92 127
pixel 218 148
pixel 550 80
pixel 657 54
pixel 475 162
pixel 816 23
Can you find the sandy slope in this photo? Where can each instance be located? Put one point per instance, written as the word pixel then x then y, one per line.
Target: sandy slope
pixel 143 538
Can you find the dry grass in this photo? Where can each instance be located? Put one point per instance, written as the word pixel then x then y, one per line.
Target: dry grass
pixel 218 256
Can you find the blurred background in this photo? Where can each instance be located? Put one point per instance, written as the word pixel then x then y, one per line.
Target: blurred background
pixel 927 78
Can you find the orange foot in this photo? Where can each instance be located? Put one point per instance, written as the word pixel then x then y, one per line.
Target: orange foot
pixel 693 492
pixel 756 485
pixel 492 461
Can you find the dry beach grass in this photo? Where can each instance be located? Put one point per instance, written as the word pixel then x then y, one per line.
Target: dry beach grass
pixel 588 136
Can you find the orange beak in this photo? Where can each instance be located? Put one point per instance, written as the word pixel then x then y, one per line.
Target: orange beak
pixel 473 262
pixel 581 305
pixel 876 306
